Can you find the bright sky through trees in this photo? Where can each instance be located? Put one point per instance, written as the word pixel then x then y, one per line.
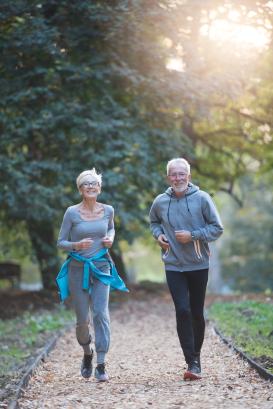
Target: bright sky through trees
pixel 227 29
pixel 231 32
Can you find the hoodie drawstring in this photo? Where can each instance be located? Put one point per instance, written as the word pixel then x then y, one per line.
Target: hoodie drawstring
pixel 196 243
pixel 187 204
pixel 197 249
pixel 169 205
pixel 168 211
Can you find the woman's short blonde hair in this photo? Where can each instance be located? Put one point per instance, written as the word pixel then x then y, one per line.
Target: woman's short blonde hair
pixel 87 175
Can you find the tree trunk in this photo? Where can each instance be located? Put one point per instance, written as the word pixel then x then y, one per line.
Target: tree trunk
pixel 44 244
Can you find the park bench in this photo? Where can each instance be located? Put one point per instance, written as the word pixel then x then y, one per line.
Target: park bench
pixel 10 271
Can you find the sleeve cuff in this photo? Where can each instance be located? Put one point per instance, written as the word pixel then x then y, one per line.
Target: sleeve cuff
pixel 194 236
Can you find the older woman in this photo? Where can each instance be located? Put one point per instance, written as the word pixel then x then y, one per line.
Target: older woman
pixel 87 232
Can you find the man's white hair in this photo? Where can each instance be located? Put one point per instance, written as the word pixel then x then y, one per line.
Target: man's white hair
pixel 87 175
pixel 179 161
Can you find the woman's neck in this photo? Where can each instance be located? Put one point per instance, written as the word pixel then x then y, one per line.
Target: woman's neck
pixel 89 204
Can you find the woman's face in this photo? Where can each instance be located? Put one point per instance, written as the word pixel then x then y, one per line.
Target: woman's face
pixel 90 188
pixel 178 177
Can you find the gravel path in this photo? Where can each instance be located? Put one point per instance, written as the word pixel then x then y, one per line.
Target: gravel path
pixel 146 369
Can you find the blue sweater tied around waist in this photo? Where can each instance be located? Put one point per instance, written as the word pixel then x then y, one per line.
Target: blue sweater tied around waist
pixel 114 280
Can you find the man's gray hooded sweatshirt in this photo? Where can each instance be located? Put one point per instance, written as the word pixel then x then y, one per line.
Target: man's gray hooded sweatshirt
pixel 195 212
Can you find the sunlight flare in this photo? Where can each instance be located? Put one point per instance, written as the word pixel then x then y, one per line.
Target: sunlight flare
pixel 224 31
pixel 234 32
pixel 175 64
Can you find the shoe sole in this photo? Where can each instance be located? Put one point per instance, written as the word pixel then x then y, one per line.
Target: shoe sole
pixel 191 376
pixel 86 376
pixel 99 378
pixel 102 380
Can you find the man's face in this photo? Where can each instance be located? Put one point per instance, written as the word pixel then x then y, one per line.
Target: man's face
pixel 178 177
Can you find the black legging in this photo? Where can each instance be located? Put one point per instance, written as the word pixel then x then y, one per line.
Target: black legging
pixel 188 290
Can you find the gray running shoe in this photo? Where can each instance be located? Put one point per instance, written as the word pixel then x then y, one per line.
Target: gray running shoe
pixel 100 373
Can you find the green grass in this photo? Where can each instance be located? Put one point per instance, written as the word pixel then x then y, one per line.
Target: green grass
pixel 21 337
pixel 249 324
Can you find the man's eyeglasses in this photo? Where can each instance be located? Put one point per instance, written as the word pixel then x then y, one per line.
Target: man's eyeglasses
pixel 180 175
pixel 89 184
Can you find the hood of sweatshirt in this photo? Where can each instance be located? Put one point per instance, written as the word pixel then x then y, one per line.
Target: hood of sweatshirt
pixel 191 190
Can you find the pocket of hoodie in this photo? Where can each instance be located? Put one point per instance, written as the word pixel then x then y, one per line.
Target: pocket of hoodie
pixel 165 253
pixel 201 250
pixel 207 249
pixel 168 256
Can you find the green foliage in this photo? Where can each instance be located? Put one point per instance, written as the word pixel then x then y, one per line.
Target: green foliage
pixel 70 101
pixel 32 330
pixel 37 324
pixel 247 247
pixel 248 324
pixel 143 260
pixel 86 84
pixel 14 244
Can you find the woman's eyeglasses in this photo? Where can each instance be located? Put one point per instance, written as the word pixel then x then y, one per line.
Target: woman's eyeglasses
pixel 89 184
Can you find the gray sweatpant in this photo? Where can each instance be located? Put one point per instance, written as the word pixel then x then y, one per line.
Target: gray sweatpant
pixel 98 303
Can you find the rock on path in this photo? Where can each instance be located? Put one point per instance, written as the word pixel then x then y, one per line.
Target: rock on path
pixel 146 367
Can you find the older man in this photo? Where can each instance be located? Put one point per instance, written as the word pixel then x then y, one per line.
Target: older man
pixel 183 220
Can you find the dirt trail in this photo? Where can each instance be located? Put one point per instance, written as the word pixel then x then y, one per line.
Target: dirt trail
pixel 146 367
